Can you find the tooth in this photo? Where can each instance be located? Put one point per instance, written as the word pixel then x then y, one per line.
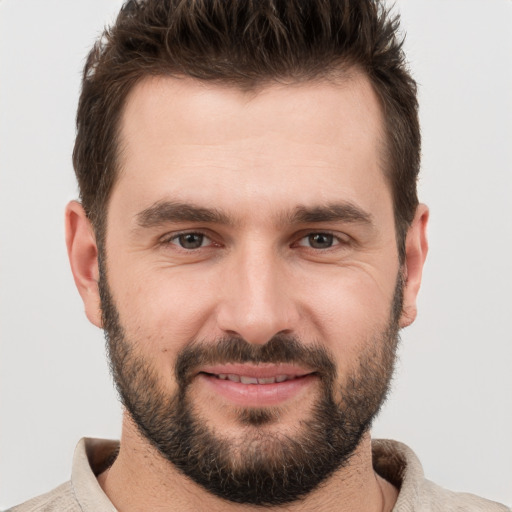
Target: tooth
pixel 267 380
pixel 248 380
pixel 281 378
pixel 222 376
pixel 234 378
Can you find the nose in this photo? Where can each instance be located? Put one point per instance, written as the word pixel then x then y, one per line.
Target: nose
pixel 257 301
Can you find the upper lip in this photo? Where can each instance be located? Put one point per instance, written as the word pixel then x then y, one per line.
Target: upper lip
pixel 259 371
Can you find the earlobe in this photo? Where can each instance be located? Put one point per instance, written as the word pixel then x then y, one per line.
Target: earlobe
pixel 416 248
pixel 83 258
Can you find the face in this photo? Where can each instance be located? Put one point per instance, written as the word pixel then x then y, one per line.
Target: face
pixel 250 283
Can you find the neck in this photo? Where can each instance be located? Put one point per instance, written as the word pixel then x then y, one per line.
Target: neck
pixel 141 479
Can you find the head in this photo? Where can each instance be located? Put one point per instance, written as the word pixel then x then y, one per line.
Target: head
pixel 249 236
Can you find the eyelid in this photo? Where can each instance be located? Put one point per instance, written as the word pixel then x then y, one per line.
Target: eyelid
pixel 339 238
pixel 169 238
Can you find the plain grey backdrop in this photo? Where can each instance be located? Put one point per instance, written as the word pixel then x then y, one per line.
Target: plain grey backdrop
pixel 452 394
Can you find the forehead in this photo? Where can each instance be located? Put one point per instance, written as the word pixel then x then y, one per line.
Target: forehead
pixel 200 112
pixel 215 142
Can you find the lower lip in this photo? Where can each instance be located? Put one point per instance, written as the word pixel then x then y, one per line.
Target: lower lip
pixel 258 395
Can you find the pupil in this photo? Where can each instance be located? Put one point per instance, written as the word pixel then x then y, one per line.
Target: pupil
pixel 321 240
pixel 191 240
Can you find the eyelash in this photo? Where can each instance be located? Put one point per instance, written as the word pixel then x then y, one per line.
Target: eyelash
pixel 168 240
pixel 336 240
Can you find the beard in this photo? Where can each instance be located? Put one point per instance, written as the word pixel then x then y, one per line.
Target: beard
pixel 262 466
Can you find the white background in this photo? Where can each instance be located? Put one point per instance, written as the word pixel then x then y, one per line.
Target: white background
pixel 452 399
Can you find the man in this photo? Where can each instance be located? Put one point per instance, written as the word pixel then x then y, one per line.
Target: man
pixel 250 240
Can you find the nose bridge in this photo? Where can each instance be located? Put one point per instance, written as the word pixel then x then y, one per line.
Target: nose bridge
pixel 256 304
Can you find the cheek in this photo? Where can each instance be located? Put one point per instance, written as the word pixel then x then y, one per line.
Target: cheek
pixel 353 309
pixel 163 309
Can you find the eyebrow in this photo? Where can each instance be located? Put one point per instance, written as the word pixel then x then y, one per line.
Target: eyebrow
pixel 172 211
pixel 162 212
pixel 344 212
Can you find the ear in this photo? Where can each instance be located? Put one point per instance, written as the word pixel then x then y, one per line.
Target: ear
pixel 416 248
pixel 83 257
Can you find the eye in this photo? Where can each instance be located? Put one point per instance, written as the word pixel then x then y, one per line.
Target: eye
pixel 190 241
pixel 319 241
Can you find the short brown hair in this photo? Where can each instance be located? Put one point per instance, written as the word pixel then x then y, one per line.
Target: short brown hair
pixel 245 43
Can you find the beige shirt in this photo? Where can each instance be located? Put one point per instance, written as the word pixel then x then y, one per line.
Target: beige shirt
pixel 392 460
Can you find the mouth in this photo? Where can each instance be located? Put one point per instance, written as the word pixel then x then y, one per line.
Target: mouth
pixel 246 379
pixel 257 385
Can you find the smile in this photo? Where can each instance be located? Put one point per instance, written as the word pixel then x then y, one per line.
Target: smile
pixel 245 379
pixel 257 385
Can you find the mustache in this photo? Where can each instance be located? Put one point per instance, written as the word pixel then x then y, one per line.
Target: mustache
pixel 281 348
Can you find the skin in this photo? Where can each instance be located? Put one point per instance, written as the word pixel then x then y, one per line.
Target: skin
pixel 257 157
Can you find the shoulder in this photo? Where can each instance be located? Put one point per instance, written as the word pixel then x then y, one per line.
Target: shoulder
pixel 82 493
pixel 60 499
pixel 398 464
pixel 434 498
